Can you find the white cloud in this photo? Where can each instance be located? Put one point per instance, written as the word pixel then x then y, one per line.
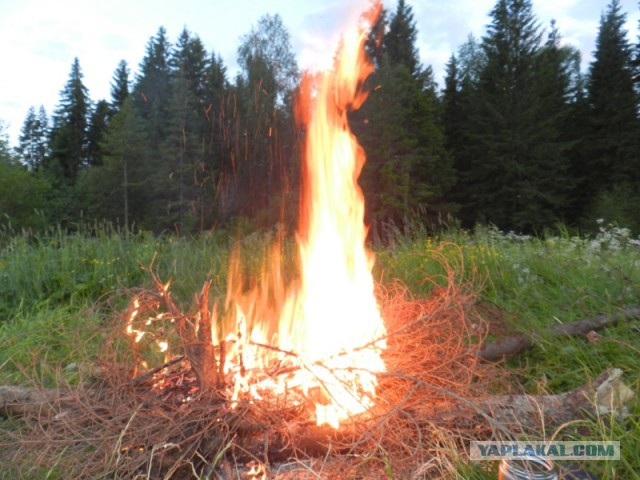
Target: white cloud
pixel 444 26
pixel 40 38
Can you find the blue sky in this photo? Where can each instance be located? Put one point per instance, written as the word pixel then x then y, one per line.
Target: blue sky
pixel 40 38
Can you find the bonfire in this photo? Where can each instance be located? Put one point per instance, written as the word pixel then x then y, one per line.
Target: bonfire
pixel 326 328
pixel 325 372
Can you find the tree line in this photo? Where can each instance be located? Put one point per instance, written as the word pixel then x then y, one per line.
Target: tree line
pixel 518 136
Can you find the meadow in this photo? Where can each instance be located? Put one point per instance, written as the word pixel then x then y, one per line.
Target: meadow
pixel 58 289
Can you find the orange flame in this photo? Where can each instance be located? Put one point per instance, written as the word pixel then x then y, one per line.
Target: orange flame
pixel 327 326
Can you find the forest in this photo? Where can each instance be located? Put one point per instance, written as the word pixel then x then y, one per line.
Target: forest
pixel 518 136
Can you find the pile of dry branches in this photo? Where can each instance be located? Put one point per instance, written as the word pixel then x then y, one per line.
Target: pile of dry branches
pixel 173 419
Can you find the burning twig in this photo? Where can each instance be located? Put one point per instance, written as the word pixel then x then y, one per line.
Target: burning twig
pixel 147 375
pixel 199 346
pixel 196 336
pixel 274 349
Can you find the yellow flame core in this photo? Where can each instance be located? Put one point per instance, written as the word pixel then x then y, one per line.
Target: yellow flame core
pixel 328 325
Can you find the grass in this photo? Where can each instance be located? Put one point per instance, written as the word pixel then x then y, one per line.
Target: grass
pixel 537 283
pixel 54 288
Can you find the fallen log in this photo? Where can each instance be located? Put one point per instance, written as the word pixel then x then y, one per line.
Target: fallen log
pixel 506 415
pixel 510 346
pixel 606 395
pixel 20 401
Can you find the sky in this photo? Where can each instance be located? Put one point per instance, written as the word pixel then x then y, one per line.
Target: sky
pixel 40 38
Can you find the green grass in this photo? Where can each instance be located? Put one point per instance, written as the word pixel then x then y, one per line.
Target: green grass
pixel 53 287
pixel 538 283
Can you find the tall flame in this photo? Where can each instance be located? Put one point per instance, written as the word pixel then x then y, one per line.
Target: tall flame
pixel 327 325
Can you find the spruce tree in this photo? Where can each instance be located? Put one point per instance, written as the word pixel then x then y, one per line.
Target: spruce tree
pixel 612 101
pixel 264 90
pixel 33 143
pixel 559 90
pixel 151 96
pixel 217 164
pixel 151 90
pixel 636 63
pixel 408 169
pixel 453 114
pixel 23 194
pixel 400 39
pixel 182 148
pixel 257 93
pixel 119 86
pixel 69 131
pixel 117 190
pixel 98 124
pixel 461 89
pixel 516 177
pixel 612 165
pixel 189 60
pixel 374 43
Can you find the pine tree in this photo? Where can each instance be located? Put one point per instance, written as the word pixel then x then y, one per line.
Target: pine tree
pixel 408 169
pixel 516 174
pixel 264 91
pixel 612 101
pixel 119 86
pixel 116 189
pixel 33 143
pixel 98 124
pixel 69 131
pixel 217 164
pixel 182 148
pixel 151 96
pixel 151 90
pixel 400 39
pixel 612 166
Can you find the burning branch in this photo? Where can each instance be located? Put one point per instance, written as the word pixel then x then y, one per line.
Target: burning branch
pixel 149 374
pixel 195 336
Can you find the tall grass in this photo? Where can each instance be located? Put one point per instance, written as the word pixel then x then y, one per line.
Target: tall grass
pixel 51 286
pixel 76 269
pixel 534 283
